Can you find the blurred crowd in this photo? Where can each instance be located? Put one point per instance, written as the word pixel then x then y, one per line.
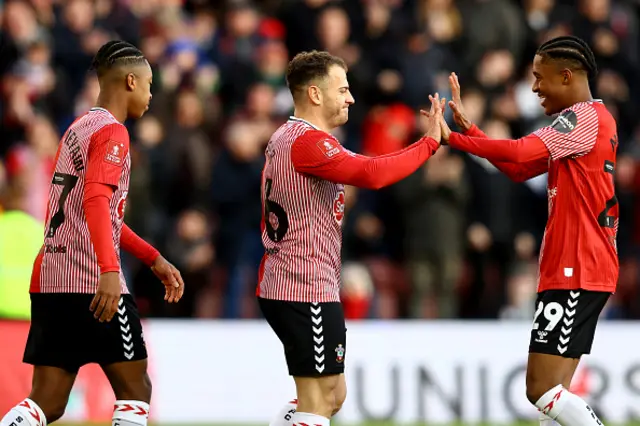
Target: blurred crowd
pixel 456 239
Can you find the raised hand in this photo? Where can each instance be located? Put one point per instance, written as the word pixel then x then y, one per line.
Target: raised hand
pixel 456 104
pixel 434 116
pixel 438 107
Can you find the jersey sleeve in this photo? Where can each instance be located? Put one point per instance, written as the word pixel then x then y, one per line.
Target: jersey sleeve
pixel 108 150
pixel 318 154
pixel 517 172
pixel 132 243
pixel 523 150
pixel 96 210
pixel 573 132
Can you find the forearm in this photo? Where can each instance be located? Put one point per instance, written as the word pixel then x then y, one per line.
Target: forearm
pixel 132 243
pixel 376 172
pixel 529 148
pixel 518 172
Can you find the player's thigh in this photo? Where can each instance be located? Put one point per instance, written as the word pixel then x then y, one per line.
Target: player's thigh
pixel 340 393
pixel 129 380
pixel 563 330
pixel 313 336
pixel 60 333
pixel 50 389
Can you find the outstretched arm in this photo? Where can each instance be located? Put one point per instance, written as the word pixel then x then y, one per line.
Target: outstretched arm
pixel 317 154
pixel 518 172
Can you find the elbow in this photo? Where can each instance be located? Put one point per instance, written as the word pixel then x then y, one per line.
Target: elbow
pixel 373 183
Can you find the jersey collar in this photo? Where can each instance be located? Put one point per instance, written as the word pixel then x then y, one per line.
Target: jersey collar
pixel 292 118
pixel 94 109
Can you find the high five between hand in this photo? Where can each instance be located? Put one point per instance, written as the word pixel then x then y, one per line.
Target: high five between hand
pixel 436 113
pixel 434 117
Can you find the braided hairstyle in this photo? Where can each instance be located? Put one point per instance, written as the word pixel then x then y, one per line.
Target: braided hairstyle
pixel 116 53
pixel 573 50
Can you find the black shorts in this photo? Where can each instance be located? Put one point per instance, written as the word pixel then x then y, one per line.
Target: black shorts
pixel 565 322
pixel 314 335
pixel 65 334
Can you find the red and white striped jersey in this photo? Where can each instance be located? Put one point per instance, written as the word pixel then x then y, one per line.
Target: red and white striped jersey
pixel 67 262
pixel 301 226
pixel 579 246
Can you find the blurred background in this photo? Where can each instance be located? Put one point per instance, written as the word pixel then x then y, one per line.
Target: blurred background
pixel 456 239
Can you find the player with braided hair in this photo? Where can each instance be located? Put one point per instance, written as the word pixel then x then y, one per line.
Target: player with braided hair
pixel 77 285
pixel 578 259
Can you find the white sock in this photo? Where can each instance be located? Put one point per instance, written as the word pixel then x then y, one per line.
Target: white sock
pixel 306 419
pixel 27 413
pixel 285 415
pixel 546 420
pixel 568 409
pixel 130 413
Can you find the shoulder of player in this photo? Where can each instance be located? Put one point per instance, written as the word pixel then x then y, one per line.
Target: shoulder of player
pixel 586 112
pixel 314 139
pixel 582 115
pixel 604 115
pixel 112 130
pixel 314 136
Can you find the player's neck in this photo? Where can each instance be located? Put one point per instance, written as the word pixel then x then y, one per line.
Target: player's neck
pixel 582 95
pixel 114 106
pixel 312 117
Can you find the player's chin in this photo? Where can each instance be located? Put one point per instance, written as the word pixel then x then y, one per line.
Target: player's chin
pixel 551 110
pixel 142 112
pixel 549 107
pixel 343 117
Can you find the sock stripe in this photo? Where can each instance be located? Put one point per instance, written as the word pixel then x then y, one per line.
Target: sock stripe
pixel 137 409
pixel 32 409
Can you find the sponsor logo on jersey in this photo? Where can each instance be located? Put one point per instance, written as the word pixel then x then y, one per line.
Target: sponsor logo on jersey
pixel 55 248
pixel 122 205
pixel 338 206
pixel 565 122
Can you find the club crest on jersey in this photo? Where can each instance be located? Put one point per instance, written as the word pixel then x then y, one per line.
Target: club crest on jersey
pixel 328 147
pixel 122 205
pixel 565 122
pixel 340 353
pixel 115 153
pixel 338 206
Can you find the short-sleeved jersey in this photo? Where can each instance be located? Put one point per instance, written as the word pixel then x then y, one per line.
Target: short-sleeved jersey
pixel 579 247
pixel 95 148
pixel 302 223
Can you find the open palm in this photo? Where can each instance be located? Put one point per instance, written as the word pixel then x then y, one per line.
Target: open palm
pixel 456 104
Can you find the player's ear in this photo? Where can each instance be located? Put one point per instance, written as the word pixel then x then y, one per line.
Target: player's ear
pixel 131 82
pixel 566 76
pixel 315 94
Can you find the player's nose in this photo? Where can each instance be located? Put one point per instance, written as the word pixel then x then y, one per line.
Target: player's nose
pixel 350 99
